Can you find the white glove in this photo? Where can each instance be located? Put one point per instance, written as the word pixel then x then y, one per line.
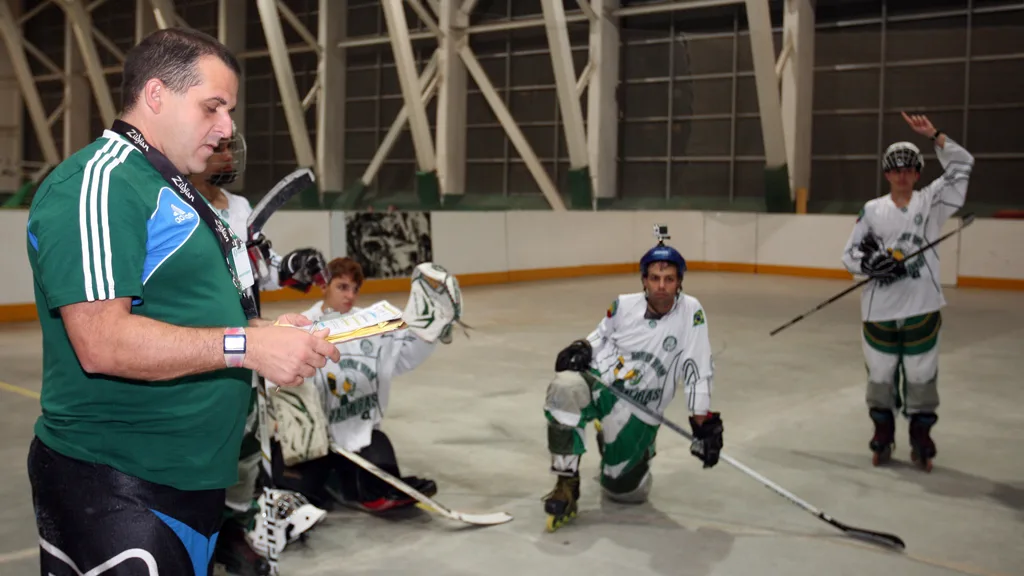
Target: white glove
pixel 435 303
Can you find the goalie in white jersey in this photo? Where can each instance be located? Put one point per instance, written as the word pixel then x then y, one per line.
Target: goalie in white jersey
pixel 648 344
pixel 900 309
pixel 345 402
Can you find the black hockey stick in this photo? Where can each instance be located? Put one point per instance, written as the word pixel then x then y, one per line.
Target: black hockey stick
pixel 890 540
pixel 278 196
pixel 967 220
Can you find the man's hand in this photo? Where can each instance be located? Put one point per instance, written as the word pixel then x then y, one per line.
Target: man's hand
pixel 922 125
pixel 294 319
pixel 286 355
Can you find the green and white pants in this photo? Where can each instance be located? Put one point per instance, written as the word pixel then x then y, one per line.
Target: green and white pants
pixel 570 405
pixel 907 348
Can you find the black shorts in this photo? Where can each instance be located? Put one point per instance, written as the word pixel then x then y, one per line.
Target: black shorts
pixel 91 515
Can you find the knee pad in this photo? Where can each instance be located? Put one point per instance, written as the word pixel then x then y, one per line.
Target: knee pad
pixel 633 486
pixel 567 395
pixel 637 495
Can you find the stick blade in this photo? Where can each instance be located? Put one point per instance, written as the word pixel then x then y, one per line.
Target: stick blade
pixel 492 519
pixel 880 538
pixel 278 196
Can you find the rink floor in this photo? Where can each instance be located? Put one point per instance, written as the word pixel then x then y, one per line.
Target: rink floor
pixel 792 407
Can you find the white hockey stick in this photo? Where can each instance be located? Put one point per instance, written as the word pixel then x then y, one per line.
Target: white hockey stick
pixel 475 519
pixel 890 540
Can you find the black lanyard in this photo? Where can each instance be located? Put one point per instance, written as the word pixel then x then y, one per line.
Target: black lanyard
pixel 225 238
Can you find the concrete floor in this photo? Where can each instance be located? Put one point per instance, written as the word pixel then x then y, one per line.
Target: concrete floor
pixel 792 407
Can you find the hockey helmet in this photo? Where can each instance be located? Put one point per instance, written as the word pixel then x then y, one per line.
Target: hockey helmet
pixel 228 160
pixel 662 253
pixel 902 155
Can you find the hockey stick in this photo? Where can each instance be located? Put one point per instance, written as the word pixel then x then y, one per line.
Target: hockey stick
pixel 278 196
pixel 967 220
pixel 890 540
pixel 475 519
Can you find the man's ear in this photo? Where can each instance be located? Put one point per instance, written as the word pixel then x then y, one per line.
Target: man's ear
pixel 153 93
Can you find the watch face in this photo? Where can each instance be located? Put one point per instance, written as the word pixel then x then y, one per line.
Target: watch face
pixel 234 343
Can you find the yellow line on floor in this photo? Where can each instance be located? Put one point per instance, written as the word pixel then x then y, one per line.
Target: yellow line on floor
pixel 19 390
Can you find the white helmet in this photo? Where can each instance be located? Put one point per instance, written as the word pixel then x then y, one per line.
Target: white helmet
pixel 221 172
pixel 284 516
pixel 902 155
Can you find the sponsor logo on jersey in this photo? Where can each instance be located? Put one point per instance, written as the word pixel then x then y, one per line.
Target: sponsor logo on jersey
pixel 366 346
pixel 180 216
pixel 138 139
pixel 698 317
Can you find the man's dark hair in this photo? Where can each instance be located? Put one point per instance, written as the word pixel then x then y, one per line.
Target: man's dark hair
pixel 170 55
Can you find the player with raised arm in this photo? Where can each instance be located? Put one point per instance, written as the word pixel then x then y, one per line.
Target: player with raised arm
pixel 649 343
pixel 900 309
pixel 344 404
pixel 300 269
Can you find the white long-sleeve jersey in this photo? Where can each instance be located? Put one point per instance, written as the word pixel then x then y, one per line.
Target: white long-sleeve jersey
pixel 906 230
pixel 653 356
pixel 237 217
pixel 355 390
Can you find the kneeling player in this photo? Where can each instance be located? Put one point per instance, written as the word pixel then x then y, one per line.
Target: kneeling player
pixel 648 343
pixel 349 398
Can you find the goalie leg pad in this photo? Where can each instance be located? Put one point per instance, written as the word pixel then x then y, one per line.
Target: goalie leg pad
pixel 568 396
pixel 301 423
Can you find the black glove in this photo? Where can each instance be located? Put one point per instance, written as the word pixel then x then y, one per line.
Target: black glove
pixel 576 357
pixel 883 267
pixel 302 268
pixel 869 245
pixel 707 439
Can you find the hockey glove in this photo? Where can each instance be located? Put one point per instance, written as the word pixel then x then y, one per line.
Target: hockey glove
pixel 260 255
pixel 302 269
pixel 575 357
pixel 435 303
pixel 883 267
pixel 707 439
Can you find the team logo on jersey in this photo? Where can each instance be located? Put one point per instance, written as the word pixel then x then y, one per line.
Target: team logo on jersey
pixel 613 308
pixel 669 344
pixel 918 218
pixel 698 317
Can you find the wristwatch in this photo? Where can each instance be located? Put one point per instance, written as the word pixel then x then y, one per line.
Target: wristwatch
pixel 234 347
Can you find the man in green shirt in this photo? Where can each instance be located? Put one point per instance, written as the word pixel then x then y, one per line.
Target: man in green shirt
pixel 150 334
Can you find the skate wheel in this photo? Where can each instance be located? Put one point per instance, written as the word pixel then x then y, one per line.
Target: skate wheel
pixel 556 522
pixel 879 458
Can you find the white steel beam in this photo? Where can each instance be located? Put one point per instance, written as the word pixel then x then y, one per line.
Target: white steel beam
pixel 296 118
pixel 145 20
pixel 163 12
pixel 11 123
pixel 428 84
pixel 330 101
pixel 602 107
pixel 565 82
pixel 515 135
pixel 451 100
pixel 77 96
pixel 23 73
pixel 425 16
pixel 298 26
pixel 797 90
pixel 232 16
pixel 762 47
pixel 81 22
pixel 405 66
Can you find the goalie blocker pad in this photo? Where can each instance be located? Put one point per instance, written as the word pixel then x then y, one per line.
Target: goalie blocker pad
pixel 435 303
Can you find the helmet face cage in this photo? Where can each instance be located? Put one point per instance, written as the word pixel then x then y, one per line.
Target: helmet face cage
pixel 226 172
pixel 902 155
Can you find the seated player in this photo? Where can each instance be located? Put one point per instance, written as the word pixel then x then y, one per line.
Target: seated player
pixel 349 398
pixel 649 343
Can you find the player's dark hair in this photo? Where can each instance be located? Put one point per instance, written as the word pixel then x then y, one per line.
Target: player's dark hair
pixel 346 267
pixel 171 56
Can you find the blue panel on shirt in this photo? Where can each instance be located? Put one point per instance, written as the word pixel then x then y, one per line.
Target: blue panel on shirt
pixel 170 226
